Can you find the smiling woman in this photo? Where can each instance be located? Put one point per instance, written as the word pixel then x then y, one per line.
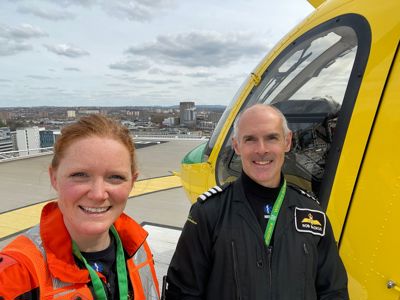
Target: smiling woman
pixel 85 241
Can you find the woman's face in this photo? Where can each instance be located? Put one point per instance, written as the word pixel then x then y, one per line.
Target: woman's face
pixel 93 181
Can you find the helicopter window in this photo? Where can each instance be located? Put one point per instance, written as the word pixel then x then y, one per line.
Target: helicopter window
pixel 309 83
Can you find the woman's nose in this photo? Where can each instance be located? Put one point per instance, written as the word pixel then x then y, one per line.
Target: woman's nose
pixel 98 190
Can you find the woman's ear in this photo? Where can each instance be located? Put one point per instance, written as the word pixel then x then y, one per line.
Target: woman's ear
pixel 53 177
pixel 134 177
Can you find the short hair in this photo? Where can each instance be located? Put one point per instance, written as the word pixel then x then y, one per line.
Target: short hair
pixel 93 126
pixel 285 126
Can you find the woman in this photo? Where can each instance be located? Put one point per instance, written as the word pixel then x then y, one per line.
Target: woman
pixel 85 247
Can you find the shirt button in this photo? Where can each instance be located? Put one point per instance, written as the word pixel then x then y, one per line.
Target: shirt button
pixel 259 263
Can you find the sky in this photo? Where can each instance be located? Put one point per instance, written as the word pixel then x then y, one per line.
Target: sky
pixel 135 53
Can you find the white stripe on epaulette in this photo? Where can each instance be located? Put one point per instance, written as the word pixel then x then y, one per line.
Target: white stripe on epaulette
pixel 308 195
pixel 212 191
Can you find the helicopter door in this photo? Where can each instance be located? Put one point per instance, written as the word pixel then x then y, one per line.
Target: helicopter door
pixel 374 212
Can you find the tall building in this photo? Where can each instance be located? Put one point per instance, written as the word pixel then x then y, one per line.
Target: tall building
pixel 187 114
pixel 6 143
pixel 28 141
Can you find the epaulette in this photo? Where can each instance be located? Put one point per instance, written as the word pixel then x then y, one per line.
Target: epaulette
pixel 305 193
pixel 212 191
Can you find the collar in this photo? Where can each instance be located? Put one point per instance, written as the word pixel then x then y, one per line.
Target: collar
pixel 58 245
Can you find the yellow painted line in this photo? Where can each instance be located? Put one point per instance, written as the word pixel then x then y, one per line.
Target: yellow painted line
pixel 154 185
pixel 20 219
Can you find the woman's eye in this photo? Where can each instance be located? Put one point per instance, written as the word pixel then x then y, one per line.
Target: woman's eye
pixel 117 178
pixel 78 175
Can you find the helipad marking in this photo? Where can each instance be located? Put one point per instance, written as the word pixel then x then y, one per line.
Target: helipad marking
pixel 15 221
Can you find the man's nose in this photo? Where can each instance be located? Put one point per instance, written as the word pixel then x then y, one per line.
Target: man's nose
pixel 262 147
pixel 98 190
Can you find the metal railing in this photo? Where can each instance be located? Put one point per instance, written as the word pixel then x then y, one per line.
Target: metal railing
pixel 27 153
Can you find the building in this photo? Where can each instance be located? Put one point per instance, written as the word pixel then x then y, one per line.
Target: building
pixel 206 126
pixel 28 141
pixel 6 143
pixel 187 114
pixel 171 121
pixel 71 114
pixel 47 138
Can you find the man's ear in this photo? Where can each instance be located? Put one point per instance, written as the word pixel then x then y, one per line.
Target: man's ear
pixel 288 141
pixel 235 145
pixel 53 177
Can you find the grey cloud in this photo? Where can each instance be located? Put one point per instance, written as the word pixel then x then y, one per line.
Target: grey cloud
pixel 139 10
pixel 67 3
pixel 23 31
pixel 130 65
pixel 66 50
pixel 201 49
pixel 10 47
pixel 136 80
pixel 39 77
pixel 155 81
pixel 48 14
pixel 72 69
pixel 158 71
pixel 199 74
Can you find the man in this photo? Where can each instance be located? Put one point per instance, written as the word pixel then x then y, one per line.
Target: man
pixel 257 238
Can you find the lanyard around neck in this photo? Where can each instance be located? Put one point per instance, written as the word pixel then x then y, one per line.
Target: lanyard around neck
pixel 274 214
pixel 121 270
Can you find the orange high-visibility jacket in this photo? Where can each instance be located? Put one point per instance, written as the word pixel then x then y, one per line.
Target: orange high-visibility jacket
pixel 42 258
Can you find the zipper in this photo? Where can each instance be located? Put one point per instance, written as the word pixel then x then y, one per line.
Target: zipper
pixel 269 254
pixel 236 271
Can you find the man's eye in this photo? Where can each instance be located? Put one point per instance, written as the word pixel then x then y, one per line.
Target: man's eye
pixel 249 139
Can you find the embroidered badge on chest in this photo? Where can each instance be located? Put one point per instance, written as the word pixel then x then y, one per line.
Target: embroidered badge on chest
pixel 310 221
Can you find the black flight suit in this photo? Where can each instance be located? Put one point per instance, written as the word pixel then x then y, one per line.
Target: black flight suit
pixel 221 253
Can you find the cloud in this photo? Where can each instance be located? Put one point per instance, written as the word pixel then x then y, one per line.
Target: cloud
pixel 130 65
pixel 72 69
pixel 12 39
pixel 198 74
pixel 10 47
pixel 201 49
pixel 46 13
pixel 66 50
pixel 23 31
pixel 67 3
pixel 138 10
pixel 39 77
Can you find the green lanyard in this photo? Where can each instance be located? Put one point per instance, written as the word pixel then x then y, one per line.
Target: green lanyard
pixel 121 270
pixel 274 214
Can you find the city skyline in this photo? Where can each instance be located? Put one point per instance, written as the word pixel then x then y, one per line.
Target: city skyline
pixel 135 53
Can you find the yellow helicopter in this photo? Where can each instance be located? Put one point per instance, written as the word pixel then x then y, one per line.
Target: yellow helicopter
pixel 336 77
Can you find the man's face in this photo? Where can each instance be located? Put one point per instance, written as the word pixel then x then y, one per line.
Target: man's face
pixel 262 145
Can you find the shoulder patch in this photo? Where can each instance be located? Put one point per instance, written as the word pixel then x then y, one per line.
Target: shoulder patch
pixel 305 193
pixel 310 221
pixel 212 191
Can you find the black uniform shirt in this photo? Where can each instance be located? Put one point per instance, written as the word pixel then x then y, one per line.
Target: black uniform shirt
pixel 259 196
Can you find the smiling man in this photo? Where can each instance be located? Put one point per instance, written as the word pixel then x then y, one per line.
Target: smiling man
pixel 257 238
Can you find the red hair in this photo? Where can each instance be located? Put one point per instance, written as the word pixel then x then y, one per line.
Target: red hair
pixel 93 126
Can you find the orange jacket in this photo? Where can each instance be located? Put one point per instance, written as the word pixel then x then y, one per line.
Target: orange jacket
pixel 42 259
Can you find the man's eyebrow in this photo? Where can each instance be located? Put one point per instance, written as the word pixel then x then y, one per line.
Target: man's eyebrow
pixel 273 135
pixel 247 136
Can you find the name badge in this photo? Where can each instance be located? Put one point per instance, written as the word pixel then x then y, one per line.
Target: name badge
pixel 310 221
